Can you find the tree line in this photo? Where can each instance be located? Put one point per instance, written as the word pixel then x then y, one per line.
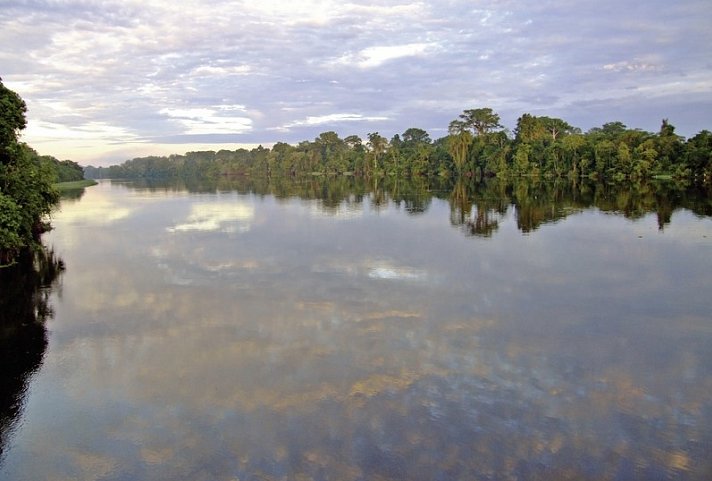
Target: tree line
pixel 477 145
pixel 27 192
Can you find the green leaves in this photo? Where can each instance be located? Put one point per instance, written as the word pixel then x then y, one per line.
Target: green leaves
pixel 26 192
pixel 12 120
pixel 10 224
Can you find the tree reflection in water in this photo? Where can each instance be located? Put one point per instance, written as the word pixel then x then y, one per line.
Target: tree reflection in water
pixel 24 308
pixel 476 207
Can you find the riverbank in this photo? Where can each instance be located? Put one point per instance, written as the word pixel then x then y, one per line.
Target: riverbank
pixel 76 184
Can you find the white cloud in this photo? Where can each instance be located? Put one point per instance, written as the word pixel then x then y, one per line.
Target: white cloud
pixel 415 9
pixel 332 119
pixel 635 66
pixel 44 131
pixel 188 113
pixel 311 11
pixel 231 108
pixel 197 121
pixel 376 56
pixel 210 70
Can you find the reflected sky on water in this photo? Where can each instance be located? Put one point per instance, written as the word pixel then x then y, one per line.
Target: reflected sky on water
pixel 225 335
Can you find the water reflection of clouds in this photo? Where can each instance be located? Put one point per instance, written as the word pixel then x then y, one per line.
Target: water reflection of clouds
pixel 397 273
pixel 275 363
pixel 249 264
pixel 182 266
pixel 375 269
pixel 244 369
pixel 230 375
pixel 98 211
pixel 225 217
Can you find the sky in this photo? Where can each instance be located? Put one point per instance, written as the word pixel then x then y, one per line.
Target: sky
pixel 106 80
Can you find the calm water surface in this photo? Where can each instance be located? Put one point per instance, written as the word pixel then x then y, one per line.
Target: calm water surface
pixel 229 336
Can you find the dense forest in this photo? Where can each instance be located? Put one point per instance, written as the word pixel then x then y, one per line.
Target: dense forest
pixel 477 146
pixel 27 191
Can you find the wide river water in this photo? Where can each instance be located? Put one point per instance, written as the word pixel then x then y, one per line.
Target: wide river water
pixel 367 334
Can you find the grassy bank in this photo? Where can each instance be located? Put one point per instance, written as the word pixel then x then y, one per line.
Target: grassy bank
pixel 77 184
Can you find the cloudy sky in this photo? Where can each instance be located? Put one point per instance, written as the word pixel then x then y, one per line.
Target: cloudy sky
pixel 108 80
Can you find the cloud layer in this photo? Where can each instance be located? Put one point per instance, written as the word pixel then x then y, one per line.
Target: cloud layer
pixel 112 79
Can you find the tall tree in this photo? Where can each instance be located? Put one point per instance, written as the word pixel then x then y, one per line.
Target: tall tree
pixel 415 136
pixel 377 145
pixel 528 129
pixel 458 147
pixel 12 120
pixel 609 130
pixel 481 121
pixel 556 128
pixel 669 147
pixel 353 142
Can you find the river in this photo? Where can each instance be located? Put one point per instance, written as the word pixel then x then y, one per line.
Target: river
pixel 353 331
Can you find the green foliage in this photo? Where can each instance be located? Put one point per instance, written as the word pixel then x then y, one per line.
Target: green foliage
pixel 12 120
pixel 61 170
pixel 26 192
pixel 698 155
pixel 458 147
pixel 481 121
pixel 10 225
